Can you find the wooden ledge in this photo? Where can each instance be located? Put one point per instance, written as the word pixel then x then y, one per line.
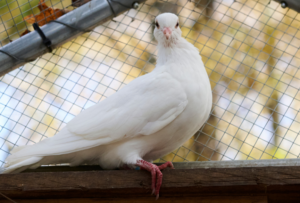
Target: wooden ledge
pixel 258 181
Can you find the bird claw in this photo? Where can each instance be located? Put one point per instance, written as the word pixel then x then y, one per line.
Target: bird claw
pixel 155 173
pixel 157 196
pixel 165 165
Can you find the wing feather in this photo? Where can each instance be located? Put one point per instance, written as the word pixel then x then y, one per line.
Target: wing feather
pixel 144 106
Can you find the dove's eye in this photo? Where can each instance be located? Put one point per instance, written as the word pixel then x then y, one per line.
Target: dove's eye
pixel 176 26
pixel 156 24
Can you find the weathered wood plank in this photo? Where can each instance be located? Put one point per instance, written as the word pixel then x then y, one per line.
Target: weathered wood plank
pixel 205 199
pixel 275 180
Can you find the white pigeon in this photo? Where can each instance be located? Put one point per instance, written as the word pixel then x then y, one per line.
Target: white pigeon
pixel 150 117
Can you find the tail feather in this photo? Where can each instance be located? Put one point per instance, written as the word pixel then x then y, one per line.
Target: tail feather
pixel 17 149
pixel 64 147
pixel 21 165
pixel 16 163
pixel 15 157
pixel 2 170
pixel 62 143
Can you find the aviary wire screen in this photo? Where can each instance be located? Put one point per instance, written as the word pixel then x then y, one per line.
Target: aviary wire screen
pixel 250 49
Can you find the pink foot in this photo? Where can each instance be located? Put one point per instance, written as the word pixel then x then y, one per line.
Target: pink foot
pixel 156 174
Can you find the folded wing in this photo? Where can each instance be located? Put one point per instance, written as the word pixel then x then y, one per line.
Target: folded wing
pixel 143 107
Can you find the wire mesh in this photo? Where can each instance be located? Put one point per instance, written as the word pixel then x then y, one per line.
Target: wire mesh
pixel 250 49
pixel 17 16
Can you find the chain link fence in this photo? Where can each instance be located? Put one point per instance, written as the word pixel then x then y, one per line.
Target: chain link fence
pixel 250 49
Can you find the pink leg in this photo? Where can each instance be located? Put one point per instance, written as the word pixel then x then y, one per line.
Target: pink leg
pixel 156 174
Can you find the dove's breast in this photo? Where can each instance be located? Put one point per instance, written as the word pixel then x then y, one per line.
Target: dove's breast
pixel 197 111
pixel 154 146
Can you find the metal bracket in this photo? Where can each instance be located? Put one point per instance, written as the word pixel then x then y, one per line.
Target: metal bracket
pixel 47 42
pixel 292 4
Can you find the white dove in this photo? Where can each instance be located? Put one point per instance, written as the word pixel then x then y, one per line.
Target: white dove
pixel 150 117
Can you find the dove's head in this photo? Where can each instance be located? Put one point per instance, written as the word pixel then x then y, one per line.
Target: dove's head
pixel 167 31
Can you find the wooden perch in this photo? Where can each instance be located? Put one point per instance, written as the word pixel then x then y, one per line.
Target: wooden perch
pixel 262 181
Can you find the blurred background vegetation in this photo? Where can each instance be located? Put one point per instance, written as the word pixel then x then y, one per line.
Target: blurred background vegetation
pixel 250 49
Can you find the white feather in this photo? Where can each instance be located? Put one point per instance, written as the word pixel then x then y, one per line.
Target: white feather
pixel 148 118
pixel 131 111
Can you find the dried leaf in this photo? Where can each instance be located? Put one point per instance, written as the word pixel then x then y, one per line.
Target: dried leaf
pixel 78 3
pixel 25 32
pixel 42 6
pixel 30 19
pixel 46 15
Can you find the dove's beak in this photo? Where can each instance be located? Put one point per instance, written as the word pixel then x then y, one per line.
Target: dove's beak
pixel 167 32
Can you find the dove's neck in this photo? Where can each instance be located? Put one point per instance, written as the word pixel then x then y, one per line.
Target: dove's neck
pixel 176 52
pixel 183 62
